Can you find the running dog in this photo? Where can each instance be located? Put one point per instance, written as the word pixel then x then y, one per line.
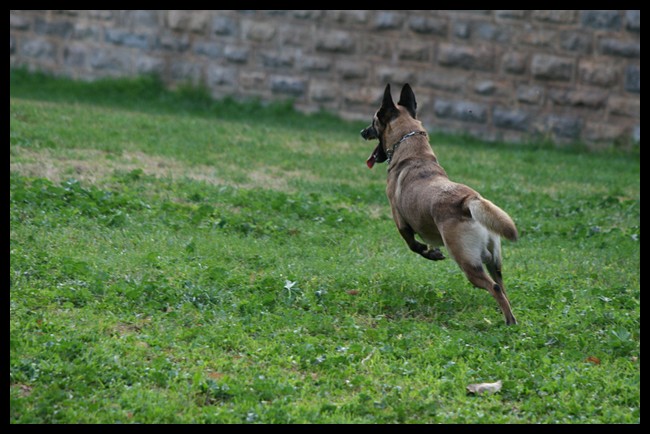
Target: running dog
pixel 426 203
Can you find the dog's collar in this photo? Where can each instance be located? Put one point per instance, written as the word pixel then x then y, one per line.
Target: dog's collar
pixel 390 152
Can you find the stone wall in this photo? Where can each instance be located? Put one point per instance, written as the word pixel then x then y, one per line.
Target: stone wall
pixel 510 75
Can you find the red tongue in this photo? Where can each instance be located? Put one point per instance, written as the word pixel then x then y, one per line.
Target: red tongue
pixel 373 157
pixel 371 161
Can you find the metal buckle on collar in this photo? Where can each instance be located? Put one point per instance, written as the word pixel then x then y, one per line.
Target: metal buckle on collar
pixel 390 152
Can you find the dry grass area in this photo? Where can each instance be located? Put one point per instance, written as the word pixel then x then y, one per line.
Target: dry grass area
pixel 96 166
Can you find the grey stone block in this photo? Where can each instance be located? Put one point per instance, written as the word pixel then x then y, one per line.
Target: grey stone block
pixel 618 47
pixel 109 60
pixel 185 71
pixel 530 94
pixel 209 49
pixel 607 20
pixel 149 65
pixel 428 25
pixel 514 14
pixel 485 87
pixel 633 20
pixel 549 67
pixel 224 26
pixel 277 60
pixel 413 50
pixel 221 76
pixel 603 74
pixel 259 31
pixel 127 38
pixel 633 79
pixel 236 54
pixel 323 91
pixel 169 41
pixel 624 106
pixel 466 57
pixel 555 16
pixel 288 85
pixel 390 74
pixel 447 81
pixel 467 111
pixel 74 55
pixel 315 63
pixel 19 22
pixel 579 42
pixel 308 14
pixel 62 29
pixel 485 31
pixel 39 49
pixel 513 119
pixel 387 20
pixel 142 18
pixel 352 70
pixel 566 127
pixel 461 29
pixel 335 41
pixel 185 20
pixel 589 98
pixel 514 62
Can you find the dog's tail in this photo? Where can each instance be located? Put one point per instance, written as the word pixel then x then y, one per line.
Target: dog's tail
pixel 493 218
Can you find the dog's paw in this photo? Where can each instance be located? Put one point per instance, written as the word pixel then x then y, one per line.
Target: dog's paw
pixel 433 254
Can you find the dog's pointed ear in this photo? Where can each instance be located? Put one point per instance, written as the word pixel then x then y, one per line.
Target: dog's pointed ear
pixel 407 100
pixel 387 102
pixel 388 108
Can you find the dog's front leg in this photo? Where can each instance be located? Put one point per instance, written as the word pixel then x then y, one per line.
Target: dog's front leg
pixel 409 236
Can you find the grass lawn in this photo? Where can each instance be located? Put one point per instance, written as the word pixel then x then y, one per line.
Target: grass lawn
pixel 175 259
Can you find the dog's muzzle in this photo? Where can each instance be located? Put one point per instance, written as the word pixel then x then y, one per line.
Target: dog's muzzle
pixel 369 133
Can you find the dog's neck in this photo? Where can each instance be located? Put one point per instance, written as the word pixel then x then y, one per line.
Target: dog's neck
pixel 390 152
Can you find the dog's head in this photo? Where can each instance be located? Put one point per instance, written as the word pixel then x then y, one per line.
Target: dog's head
pixel 380 128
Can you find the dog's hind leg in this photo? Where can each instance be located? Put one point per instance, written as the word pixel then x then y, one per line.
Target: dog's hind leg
pixel 493 260
pixel 471 246
pixel 493 263
pixel 477 275
pixel 495 272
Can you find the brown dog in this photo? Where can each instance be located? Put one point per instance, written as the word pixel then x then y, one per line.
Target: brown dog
pixel 425 202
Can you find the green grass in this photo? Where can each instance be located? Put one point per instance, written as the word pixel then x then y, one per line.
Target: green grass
pixel 180 260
